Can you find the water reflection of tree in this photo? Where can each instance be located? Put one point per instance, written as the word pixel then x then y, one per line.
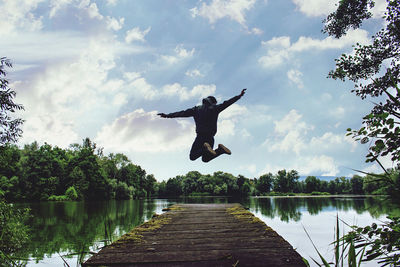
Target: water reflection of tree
pixel 316 205
pixel 70 227
pixel 290 209
pixel 287 209
pixel 263 205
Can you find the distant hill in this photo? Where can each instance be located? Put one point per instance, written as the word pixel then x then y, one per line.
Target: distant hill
pixel 322 178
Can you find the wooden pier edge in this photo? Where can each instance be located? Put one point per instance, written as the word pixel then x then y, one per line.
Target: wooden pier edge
pixel 200 235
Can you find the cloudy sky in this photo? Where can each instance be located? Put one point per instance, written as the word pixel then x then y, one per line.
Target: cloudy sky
pixel 103 69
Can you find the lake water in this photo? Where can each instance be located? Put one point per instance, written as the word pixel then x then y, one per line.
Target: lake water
pixel 70 230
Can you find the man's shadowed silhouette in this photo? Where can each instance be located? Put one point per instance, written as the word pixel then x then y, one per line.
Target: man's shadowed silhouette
pixel 205 117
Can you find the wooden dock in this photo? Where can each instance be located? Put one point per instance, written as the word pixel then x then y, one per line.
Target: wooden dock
pixel 200 235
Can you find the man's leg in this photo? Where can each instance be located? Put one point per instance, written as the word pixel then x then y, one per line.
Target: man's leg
pixel 222 150
pixel 219 151
pixel 208 152
pixel 197 149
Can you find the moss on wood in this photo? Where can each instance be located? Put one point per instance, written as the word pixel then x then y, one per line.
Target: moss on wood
pixel 242 214
pixel 136 235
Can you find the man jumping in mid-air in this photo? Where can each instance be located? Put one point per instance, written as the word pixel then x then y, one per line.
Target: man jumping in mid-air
pixel 205 117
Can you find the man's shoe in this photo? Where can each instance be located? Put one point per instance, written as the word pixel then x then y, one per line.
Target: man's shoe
pixel 209 149
pixel 223 149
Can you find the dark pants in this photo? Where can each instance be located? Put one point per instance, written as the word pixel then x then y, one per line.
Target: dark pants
pixel 198 149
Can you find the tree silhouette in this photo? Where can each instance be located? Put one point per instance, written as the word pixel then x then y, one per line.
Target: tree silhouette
pixel 9 127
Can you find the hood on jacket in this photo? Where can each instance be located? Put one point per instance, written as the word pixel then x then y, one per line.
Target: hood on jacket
pixel 210 100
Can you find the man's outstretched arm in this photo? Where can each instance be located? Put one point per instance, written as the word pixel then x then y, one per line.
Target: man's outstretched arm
pixel 184 113
pixel 229 102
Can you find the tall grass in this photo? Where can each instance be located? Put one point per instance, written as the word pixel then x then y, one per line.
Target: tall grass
pixel 371 243
pixel 345 251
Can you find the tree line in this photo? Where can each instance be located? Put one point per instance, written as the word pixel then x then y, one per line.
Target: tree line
pixel 83 172
pixel 37 173
pixel 283 182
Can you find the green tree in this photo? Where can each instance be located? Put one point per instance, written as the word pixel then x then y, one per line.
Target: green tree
pixel 71 193
pixel 375 71
pixel 10 129
pixel 357 184
pixel 365 68
pixel 77 179
pixel 13 232
pixel 123 191
pixel 174 186
pixel 264 183
pixel 42 171
pixel 86 160
pixel 285 181
pixel 371 185
pixel 312 184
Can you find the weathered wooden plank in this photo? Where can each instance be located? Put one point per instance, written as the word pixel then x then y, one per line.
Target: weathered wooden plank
pixel 200 235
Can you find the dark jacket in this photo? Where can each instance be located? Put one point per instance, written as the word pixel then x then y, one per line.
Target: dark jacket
pixel 205 116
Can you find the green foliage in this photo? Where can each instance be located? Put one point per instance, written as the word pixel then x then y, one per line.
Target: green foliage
pixel 342 251
pixel 123 191
pixel 312 184
pixel 81 172
pixel 71 193
pixel 285 181
pixel 9 127
pixel 73 227
pixel 58 198
pixel 364 68
pixel 380 242
pixel 13 232
pixel 349 14
pixel 264 184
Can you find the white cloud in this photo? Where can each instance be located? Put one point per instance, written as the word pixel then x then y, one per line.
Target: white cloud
pixel 314 8
pixel 56 5
pixel 68 94
pixel 291 121
pixel 114 24
pixel 314 165
pixel 18 15
pixel 277 51
pixel 112 2
pixel 135 34
pixel 92 9
pixel 180 54
pixel 48 127
pixel 280 49
pixel 295 77
pixel 256 31
pixel 235 110
pixel 139 86
pixel 141 131
pixel 219 9
pixel 228 119
pixel 318 164
pixel 379 9
pixel 290 134
pixel 251 168
pixel 194 73
pixel 198 91
pixel 45 48
pixel 330 140
pixel 326 97
pixel 338 112
pixel 225 128
pixel 272 168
